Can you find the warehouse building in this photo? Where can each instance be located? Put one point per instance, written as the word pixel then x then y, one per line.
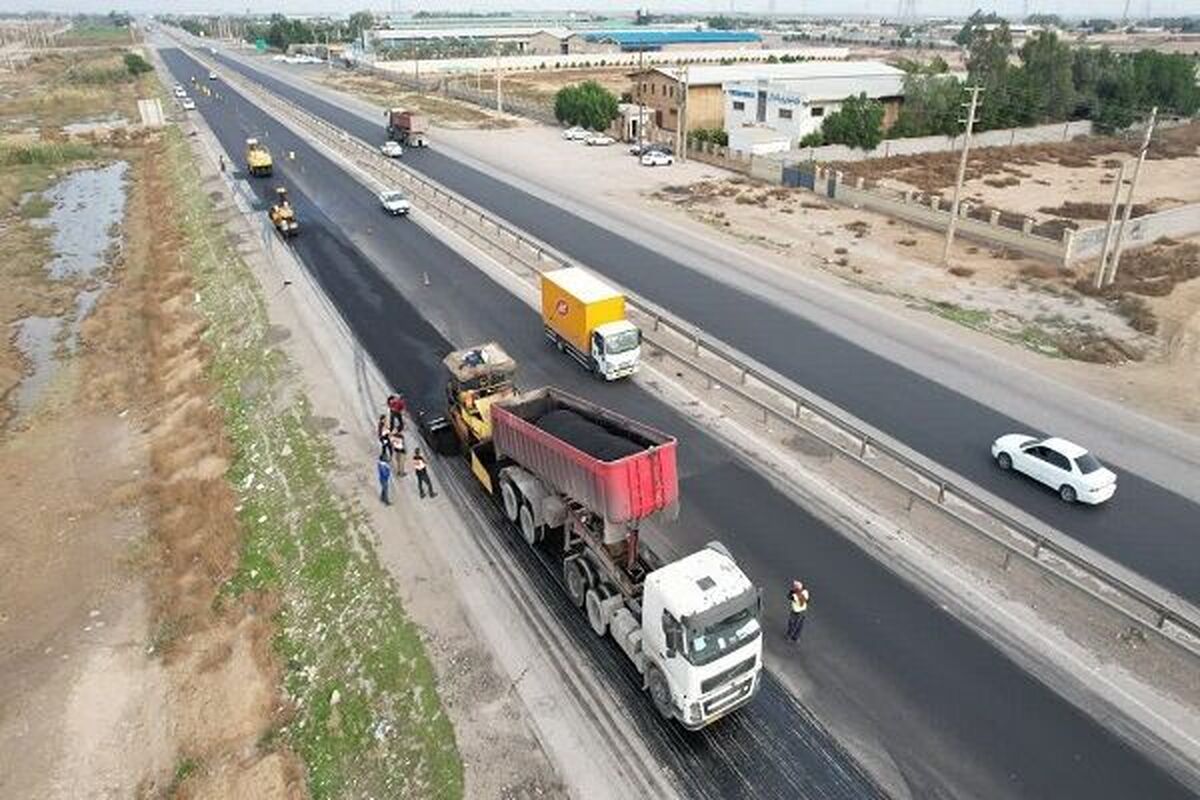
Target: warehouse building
pixel 653 41
pixel 518 40
pixel 662 88
pixel 797 105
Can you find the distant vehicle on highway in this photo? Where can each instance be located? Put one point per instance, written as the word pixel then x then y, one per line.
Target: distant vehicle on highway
pixel 1064 466
pixel 180 92
pixel 599 140
pixel 575 133
pixel 657 158
pixel 392 149
pixel 394 202
pixel 212 76
pixel 188 104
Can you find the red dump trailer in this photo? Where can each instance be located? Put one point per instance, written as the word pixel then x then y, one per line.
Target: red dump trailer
pixel 407 127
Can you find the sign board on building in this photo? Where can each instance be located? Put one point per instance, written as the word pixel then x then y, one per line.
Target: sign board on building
pixel 260 44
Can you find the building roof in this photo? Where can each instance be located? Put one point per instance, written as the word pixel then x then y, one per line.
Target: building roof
pixel 716 74
pixel 651 38
pixel 420 34
pixel 825 89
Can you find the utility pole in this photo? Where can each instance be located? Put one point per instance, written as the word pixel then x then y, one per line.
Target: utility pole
pixel 1137 169
pixel 499 94
pixel 683 119
pixel 641 120
pixel 1108 229
pixel 962 171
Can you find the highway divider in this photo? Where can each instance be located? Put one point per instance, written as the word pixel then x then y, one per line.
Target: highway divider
pixel 775 399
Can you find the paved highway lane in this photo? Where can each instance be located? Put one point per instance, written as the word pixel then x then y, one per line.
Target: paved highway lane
pixel 884 665
pixel 1147 528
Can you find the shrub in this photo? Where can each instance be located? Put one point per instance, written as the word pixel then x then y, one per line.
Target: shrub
pixel 136 65
pixel 587 104
pixel 814 139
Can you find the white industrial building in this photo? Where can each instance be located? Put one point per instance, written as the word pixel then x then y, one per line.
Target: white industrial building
pixel 795 104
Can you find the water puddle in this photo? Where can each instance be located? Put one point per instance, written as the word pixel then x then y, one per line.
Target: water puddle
pixel 37 339
pixel 87 208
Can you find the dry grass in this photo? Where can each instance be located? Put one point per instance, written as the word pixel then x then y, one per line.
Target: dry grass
pixel 1072 209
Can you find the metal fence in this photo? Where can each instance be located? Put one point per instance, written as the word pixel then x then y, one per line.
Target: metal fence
pixel 775 399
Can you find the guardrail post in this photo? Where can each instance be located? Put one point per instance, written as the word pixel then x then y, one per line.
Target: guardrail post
pixel 941 493
pixel 696 344
pixel 797 408
pixel 744 373
pixel 862 450
pixel 657 321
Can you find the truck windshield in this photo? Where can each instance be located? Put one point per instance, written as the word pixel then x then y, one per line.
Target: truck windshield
pixel 622 342
pixel 705 645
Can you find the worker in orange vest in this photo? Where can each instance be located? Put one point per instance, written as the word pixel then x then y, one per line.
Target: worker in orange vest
pixel 798 598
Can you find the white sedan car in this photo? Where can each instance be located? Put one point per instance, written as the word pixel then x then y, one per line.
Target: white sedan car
pixel 392 149
pixel 599 140
pixel 395 203
pixel 188 104
pixel 575 133
pixel 1066 467
pixel 657 158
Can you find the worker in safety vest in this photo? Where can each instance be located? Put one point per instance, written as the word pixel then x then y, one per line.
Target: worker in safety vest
pixel 798 599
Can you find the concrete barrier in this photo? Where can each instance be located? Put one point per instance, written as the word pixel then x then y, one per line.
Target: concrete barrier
pixel 1141 231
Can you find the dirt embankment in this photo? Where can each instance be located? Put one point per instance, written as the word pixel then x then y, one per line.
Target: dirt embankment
pixel 128 674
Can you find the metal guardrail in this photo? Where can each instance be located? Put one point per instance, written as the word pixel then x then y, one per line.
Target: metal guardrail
pixel 537 256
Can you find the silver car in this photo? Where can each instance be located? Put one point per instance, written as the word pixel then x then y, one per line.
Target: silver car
pixel 395 203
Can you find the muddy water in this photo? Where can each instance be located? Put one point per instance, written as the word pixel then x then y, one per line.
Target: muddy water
pixel 87 208
pixel 85 216
pixel 37 339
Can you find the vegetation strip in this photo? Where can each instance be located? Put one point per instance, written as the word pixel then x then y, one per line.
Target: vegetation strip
pixel 367 718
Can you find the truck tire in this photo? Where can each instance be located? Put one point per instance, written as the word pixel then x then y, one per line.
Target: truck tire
pixel 531 532
pixel 595 615
pixel 576 581
pixel 511 500
pixel 660 693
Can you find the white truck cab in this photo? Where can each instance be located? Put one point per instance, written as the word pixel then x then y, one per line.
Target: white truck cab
pixel 616 349
pixel 701 638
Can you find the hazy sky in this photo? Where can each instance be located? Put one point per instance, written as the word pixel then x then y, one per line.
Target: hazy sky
pixel 1110 8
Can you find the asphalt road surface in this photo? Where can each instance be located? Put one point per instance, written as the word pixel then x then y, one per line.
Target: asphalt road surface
pixel 1147 528
pixel 945 712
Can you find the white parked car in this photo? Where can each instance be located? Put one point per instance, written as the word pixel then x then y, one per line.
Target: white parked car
pixel 394 202
pixel 1066 467
pixel 188 104
pixel 180 91
pixel 657 158
pixel 599 140
pixel 212 76
pixel 392 149
pixel 575 133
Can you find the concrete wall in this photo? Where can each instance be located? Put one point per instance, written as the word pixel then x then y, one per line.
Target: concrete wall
pixel 1038 134
pixel 526 63
pixel 1141 231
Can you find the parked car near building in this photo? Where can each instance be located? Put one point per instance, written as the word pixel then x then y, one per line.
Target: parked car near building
pixel 657 158
pixel 575 133
pixel 599 140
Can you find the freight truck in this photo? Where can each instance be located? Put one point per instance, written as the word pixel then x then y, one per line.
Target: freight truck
pixel 407 127
pixel 584 316
pixel 581 479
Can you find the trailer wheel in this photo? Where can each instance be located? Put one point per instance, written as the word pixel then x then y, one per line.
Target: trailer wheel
pixel 576 580
pixel 511 500
pixel 595 615
pixel 660 693
pixel 531 532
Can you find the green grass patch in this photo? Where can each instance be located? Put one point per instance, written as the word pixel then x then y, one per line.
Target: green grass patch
pixel 183 770
pixel 45 154
pixel 92 35
pixel 970 317
pixel 368 720
pixel 36 206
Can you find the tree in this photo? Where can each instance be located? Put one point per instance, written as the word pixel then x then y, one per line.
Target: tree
pixel 975 23
pixel 360 21
pixel 858 123
pixel 932 106
pixel 136 65
pixel 1045 20
pixel 1047 66
pixel 987 66
pixel 586 104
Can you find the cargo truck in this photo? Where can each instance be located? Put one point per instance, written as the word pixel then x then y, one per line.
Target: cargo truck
pixel 581 479
pixel 258 158
pixel 407 127
pixel 584 316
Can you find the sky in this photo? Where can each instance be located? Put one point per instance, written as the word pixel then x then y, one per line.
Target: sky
pixel 1110 8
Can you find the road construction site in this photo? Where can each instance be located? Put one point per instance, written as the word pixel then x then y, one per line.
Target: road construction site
pixel 927 698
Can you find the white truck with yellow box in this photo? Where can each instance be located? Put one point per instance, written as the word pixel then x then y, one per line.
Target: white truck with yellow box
pixel 585 317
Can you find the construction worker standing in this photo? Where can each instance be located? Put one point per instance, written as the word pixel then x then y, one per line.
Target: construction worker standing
pixel 798 598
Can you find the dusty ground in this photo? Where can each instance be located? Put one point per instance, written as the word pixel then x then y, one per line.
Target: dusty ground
pixel 442 111
pixel 123 679
pixel 541 86
pixel 1068 183
pixel 994 292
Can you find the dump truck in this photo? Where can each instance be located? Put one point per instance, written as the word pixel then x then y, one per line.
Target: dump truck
pixel 282 215
pixel 407 127
pixel 258 158
pixel 581 479
pixel 585 317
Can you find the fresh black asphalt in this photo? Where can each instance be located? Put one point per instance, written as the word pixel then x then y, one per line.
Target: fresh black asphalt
pixel 956 717
pixel 1147 528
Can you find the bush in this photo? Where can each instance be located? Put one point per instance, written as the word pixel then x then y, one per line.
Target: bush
pixel 858 123
pixel 136 65
pixel 814 139
pixel 586 104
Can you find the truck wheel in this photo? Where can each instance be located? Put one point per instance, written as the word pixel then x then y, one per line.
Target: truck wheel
pixel 531 532
pixel 660 693
pixel 595 615
pixel 510 499
pixel 576 580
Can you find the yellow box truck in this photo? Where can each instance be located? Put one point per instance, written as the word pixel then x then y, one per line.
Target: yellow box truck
pixel 585 317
